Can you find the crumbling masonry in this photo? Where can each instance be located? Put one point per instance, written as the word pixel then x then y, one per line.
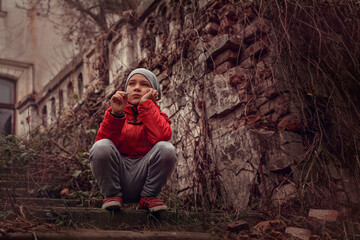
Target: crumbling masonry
pixel 234 126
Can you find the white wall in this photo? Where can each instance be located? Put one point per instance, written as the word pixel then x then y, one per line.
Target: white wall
pixel 32 51
pixel 32 39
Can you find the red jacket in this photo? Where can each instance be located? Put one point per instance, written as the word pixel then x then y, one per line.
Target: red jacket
pixel 136 133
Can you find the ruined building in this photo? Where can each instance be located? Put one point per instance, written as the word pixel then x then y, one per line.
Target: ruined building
pixel 31 55
pixel 235 126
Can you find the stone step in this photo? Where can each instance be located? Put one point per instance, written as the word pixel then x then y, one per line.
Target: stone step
pixel 128 218
pixel 8 170
pixel 29 183
pixel 33 172
pixel 18 180
pixel 14 192
pixel 33 163
pixel 42 191
pixel 102 234
pixel 7 203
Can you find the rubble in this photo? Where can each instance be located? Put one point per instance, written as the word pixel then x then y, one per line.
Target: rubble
pixel 323 215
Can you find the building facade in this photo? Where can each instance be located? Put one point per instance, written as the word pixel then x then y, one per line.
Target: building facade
pixel 235 127
pixel 31 55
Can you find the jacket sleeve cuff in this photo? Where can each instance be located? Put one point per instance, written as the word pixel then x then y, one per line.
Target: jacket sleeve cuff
pixel 145 105
pixel 113 121
pixel 117 115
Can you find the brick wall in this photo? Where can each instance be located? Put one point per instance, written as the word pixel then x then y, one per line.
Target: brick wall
pixel 234 124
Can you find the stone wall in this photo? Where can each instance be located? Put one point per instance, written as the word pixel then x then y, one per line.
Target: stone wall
pixel 235 128
pixel 234 125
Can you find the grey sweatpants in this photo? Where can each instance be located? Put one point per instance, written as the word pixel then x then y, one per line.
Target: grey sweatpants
pixel 131 178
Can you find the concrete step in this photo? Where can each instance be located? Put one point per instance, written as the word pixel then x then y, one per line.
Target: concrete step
pixel 9 170
pixel 8 203
pixel 45 191
pixel 33 172
pixel 101 234
pixel 128 218
pixel 30 183
pixel 33 167
pixel 14 192
pixel 33 163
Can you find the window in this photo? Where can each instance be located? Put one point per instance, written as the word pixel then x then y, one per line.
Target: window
pixel 53 109
pixel 7 106
pixel 2 12
pixel 61 101
pixel 80 85
pixel 44 116
pixel 70 93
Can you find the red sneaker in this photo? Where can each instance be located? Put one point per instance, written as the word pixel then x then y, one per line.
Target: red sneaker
pixel 112 203
pixel 153 204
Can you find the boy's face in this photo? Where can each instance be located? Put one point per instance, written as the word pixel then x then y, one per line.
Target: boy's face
pixel 137 87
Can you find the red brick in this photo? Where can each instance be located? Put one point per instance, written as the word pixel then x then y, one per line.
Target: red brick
pixel 248 63
pixel 239 78
pixel 252 118
pixel 220 43
pixel 323 215
pixel 266 226
pixel 289 123
pixel 236 80
pixel 212 28
pixel 250 32
pixel 227 55
pixel 272 92
pixel 224 67
pixel 266 88
pixel 276 107
pixel 256 30
pixel 226 26
pixel 253 49
pixel 299 233
pixel 241 82
pixel 237 226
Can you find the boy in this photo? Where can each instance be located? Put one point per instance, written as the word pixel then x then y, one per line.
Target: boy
pixel 132 158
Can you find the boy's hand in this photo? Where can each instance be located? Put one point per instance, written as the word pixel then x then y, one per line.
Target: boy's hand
pixel 118 102
pixel 152 94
